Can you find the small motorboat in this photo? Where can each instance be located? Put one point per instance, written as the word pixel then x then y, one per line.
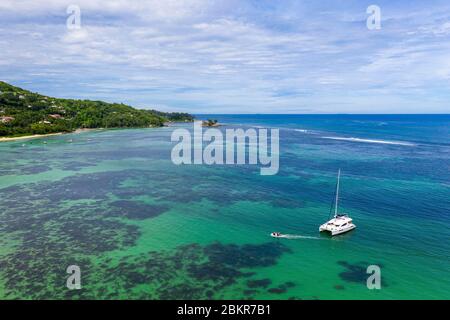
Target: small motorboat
pixel 276 235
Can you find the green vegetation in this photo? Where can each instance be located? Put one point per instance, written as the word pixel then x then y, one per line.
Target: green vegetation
pixel 23 112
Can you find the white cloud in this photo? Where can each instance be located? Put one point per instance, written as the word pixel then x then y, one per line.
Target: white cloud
pixel 225 55
pixel 146 9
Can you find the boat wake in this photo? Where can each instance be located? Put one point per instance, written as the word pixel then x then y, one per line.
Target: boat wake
pixel 399 143
pixel 297 236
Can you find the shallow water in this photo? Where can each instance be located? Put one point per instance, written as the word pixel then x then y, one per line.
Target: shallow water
pixel 140 227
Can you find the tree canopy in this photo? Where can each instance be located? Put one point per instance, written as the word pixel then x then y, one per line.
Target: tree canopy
pixel 24 112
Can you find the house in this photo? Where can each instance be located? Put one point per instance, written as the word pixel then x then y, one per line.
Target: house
pixel 56 116
pixel 60 108
pixel 44 122
pixel 6 119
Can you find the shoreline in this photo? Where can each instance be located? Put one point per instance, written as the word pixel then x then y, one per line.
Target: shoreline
pixel 77 131
pixel 36 136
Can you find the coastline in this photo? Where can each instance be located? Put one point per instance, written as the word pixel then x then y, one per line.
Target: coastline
pixel 35 136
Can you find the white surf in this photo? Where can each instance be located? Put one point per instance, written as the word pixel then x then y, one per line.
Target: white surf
pixel 399 143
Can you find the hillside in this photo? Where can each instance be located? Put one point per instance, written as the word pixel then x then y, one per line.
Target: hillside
pixel 23 112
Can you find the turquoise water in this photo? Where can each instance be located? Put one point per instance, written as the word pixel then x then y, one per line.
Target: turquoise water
pixel 140 227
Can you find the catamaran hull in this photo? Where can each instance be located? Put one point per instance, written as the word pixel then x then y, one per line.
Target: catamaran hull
pixel 336 232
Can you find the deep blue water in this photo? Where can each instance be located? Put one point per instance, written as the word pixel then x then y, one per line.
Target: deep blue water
pixel 415 128
pixel 414 145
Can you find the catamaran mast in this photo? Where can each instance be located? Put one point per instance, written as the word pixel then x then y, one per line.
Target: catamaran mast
pixel 337 195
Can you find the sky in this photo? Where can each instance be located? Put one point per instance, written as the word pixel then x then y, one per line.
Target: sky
pixel 233 56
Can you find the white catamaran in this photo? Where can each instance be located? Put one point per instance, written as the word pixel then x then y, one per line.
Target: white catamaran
pixel 341 222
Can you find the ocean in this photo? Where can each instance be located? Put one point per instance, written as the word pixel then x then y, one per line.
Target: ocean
pixel 139 227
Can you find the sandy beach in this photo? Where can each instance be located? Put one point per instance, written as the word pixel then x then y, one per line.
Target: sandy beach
pixel 35 136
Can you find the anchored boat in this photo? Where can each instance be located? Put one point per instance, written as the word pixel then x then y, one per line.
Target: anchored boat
pixel 340 223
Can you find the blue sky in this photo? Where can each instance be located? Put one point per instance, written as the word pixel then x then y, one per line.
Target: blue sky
pixel 233 56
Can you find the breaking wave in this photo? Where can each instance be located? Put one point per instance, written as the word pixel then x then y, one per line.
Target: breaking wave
pixel 301 130
pixel 399 143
